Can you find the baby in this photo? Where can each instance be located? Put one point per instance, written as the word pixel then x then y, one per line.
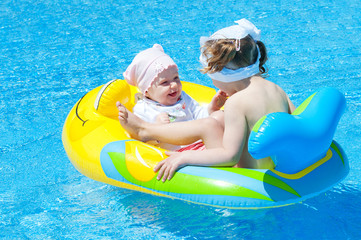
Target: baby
pixel 163 101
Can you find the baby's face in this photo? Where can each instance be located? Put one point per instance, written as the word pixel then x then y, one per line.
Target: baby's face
pixel 167 88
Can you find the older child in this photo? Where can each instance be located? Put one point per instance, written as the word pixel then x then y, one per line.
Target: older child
pixel 234 59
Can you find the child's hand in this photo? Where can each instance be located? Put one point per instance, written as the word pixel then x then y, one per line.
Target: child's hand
pixel 217 102
pixel 169 166
pixel 162 118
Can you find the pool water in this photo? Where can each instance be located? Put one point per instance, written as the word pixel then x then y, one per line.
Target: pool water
pixel 52 52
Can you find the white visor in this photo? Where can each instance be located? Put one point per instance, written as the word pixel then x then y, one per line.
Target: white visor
pixel 230 75
pixel 242 30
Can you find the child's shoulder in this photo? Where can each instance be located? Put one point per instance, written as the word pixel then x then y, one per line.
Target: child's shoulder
pixel 238 100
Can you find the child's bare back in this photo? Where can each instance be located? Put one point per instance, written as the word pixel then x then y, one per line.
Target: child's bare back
pixel 245 108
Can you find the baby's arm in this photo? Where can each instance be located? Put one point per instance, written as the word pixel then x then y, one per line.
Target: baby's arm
pixel 162 118
pixel 217 102
pixel 149 113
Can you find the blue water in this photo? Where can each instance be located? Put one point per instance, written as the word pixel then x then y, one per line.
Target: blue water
pixel 52 52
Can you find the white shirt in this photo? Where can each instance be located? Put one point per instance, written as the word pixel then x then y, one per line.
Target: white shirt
pixel 185 109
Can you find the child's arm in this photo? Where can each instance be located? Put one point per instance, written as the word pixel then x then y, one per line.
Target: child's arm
pixel 291 107
pixel 229 154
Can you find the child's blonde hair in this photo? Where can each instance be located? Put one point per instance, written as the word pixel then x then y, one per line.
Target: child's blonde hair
pixel 221 52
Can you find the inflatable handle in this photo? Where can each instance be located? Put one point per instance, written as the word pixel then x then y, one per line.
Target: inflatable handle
pixel 109 94
pixel 296 141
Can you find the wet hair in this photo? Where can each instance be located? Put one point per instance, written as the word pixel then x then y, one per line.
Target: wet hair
pixel 222 53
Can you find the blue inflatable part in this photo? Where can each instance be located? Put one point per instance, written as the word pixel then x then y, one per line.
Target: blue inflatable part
pixel 297 141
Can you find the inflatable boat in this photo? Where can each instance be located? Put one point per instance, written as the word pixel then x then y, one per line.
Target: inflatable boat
pixel 307 159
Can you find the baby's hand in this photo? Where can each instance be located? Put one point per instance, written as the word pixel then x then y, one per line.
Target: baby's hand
pixel 218 101
pixel 162 118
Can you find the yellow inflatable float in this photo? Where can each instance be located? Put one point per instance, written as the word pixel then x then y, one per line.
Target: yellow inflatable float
pixel 99 148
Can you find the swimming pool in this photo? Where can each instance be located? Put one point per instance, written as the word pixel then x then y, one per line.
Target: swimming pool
pixel 53 52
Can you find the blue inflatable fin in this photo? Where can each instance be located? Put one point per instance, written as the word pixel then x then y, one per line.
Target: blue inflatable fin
pixel 296 141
